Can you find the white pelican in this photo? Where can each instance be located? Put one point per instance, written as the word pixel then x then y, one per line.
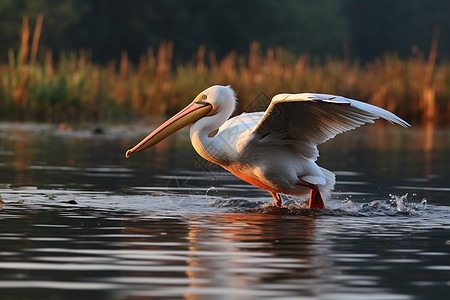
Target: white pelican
pixel 275 150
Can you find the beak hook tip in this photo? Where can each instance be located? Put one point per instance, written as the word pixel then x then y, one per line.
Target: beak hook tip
pixel 127 155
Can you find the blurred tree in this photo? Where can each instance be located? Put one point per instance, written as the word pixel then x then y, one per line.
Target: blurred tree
pixel 8 25
pixel 383 26
pixel 59 18
pixel 319 27
pixel 221 25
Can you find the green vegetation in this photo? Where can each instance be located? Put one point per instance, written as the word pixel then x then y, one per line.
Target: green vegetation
pixel 76 89
pixel 42 83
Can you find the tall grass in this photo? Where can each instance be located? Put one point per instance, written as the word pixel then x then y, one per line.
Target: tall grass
pixel 73 88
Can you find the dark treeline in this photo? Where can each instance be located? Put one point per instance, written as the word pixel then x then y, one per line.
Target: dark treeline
pixel 360 28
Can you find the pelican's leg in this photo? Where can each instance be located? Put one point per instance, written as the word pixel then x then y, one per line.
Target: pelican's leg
pixel 277 199
pixel 315 199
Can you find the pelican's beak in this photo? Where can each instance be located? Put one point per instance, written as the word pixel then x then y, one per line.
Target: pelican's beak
pixel 188 115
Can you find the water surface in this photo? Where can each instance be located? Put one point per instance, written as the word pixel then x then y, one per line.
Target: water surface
pixel 81 221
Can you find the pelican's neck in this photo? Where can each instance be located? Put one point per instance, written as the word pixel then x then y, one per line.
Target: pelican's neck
pixel 210 148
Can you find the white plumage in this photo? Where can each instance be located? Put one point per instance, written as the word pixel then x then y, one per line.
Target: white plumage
pixel 275 150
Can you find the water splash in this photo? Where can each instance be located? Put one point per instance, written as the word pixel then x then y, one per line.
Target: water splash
pixel 394 206
pixel 402 204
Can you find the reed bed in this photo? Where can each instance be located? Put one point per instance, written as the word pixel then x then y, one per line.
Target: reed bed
pixel 35 86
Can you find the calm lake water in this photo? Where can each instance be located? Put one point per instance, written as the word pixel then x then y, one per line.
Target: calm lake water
pixel 82 222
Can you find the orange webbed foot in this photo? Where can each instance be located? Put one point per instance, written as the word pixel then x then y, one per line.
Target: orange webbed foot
pixel 315 199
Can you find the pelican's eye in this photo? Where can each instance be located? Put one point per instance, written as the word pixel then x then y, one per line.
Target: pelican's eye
pixel 203 97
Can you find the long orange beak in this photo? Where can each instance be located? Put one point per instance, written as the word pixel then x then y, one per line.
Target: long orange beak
pixel 188 115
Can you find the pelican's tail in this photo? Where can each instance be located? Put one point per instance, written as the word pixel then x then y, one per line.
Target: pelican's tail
pixel 330 180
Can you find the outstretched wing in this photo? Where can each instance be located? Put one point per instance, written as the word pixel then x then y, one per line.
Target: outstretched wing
pixel 307 120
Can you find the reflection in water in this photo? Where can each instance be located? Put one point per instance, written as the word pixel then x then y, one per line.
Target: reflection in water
pixel 23 150
pixel 229 255
pixel 131 248
pixel 253 256
pixel 252 251
pixel 428 145
pixel 94 225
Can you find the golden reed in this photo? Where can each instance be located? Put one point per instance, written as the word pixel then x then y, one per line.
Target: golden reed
pixel 35 86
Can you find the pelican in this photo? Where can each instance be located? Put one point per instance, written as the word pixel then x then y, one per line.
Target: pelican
pixel 275 150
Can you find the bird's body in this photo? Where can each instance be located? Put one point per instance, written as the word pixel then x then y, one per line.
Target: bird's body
pixel 272 166
pixel 274 150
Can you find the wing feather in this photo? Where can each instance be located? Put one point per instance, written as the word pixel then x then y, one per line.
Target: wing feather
pixel 310 119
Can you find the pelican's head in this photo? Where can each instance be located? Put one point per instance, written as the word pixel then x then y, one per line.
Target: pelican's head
pixel 221 98
pixel 210 102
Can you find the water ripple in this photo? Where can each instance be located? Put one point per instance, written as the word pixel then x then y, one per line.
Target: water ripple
pixel 58 285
